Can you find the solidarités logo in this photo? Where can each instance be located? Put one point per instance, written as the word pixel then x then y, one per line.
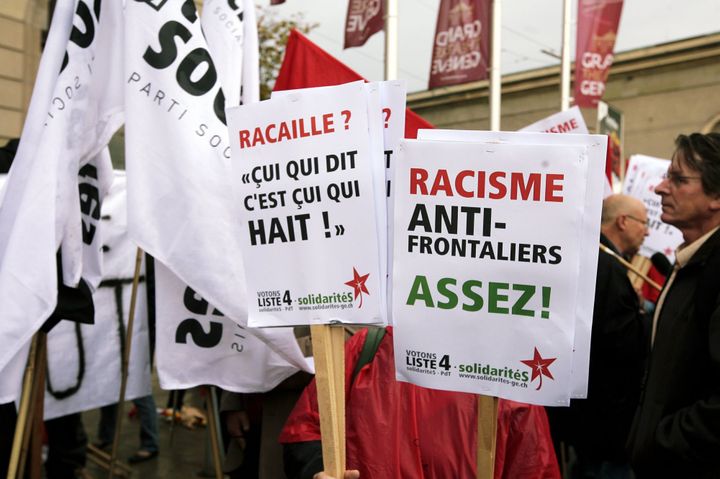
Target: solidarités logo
pixel 358 285
pixel 540 367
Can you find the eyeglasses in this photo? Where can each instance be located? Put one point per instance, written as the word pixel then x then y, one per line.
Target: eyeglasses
pixel 677 179
pixel 644 222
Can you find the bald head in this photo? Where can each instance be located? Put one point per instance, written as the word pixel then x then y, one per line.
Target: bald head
pixel 624 222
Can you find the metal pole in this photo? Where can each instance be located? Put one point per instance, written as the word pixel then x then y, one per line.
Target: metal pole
pixel 495 74
pixel 565 62
pixel 125 360
pixel 214 431
pixel 391 40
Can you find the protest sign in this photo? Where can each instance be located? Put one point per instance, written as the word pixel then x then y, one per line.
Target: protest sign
pixel 643 175
pixel 486 265
pixel 595 187
pixel 303 174
pixel 393 99
pixel 568 121
pixel 197 344
pixel 85 361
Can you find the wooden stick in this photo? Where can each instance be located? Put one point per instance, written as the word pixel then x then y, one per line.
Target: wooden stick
pixel 214 432
pixel 38 399
pixel 630 266
pixel 24 411
pixel 329 353
pixel 487 436
pixel 102 459
pixel 125 360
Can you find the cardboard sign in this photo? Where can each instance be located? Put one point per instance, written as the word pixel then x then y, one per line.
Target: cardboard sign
pixel 596 184
pixel 305 189
pixel 486 264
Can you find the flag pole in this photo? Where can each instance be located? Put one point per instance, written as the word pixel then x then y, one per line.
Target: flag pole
pixel 391 40
pixel 125 360
pixel 565 61
pixel 26 409
pixel 495 78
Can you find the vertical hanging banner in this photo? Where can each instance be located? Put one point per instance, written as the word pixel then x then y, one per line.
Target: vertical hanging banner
pixel 486 263
pixel 304 186
pixel 610 122
pixel 597 27
pixel 364 19
pixel 461 48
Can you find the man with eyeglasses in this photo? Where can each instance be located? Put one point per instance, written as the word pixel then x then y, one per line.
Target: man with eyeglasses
pixel 676 430
pixel 597 427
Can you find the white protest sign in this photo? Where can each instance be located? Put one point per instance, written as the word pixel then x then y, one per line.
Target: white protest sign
pixel 84 361
pixel 223 353
pixel 644 173
pixel 486 262
pixel 595 190
pixel 304 184
pixel 568 121
pixel 393 96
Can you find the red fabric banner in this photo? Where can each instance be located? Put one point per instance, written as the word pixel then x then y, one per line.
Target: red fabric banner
pixel 598 22
pixel 307 65
pixel 461 50
pixel 364 19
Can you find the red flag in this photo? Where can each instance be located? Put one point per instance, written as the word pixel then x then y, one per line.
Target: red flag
pixel 364 19
pixel 307 65
pixel 276 2
pixel 462 42
pixel 598 22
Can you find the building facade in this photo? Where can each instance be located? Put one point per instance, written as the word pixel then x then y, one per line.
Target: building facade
pixel 662 91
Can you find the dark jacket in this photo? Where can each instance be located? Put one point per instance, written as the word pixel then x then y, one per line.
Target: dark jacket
pixel 598 427
pixel 676 430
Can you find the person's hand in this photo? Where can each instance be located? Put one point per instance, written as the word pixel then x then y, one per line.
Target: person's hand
pixel 237 423
pixel 348 475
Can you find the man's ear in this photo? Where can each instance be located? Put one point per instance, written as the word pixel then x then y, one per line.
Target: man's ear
pixel 621 222
pixel 715 203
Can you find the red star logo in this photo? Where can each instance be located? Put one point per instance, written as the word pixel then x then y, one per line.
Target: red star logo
pixel 358 284
pixel 668 251
pixel 539 367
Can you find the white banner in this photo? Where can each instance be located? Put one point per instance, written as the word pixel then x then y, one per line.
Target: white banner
pixel 486 265
pixel 84 361
pixel 222 352
pixel 72 116
pixel 596 185
pixel 177 153
pixel 306 187
pixel 644 173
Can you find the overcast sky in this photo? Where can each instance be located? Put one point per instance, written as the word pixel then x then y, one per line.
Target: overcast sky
pixel 528 26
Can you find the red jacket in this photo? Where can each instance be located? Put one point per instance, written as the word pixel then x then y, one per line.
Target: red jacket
pixel 398 430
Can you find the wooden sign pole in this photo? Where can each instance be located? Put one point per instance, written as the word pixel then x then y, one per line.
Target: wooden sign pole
pixel 487 436
pixel 125 360
pixel 329 353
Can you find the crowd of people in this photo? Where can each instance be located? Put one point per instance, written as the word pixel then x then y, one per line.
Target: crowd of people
pixel 653 403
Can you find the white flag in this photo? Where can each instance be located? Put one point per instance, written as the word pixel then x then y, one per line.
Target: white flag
pixel 231 33
pixel 180 204
pixel 72 116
